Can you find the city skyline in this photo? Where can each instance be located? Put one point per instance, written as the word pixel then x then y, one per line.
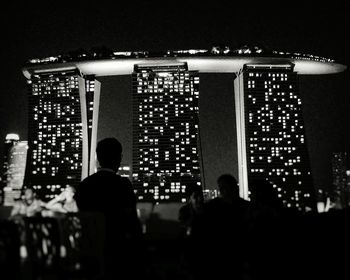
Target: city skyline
pixel 43 31
pixel 265 111
pixel 165 110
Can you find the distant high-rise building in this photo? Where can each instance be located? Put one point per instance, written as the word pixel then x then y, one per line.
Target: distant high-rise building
pixel 63 114
pixel 10 140
pixel 165 131
pixel 125 171
pixel 14 168
pixel 271 134
pixel 209 194
pixel 341 178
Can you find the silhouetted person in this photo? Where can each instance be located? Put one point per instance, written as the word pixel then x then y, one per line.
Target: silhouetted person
pixel 110 194
pixel 221 234
pixel 265 200
pixel 28 206
pixel 193 207
pixel 64 202
pixel 274 234
pixel 188 214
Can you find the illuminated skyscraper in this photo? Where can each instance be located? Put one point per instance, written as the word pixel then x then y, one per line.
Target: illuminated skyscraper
pixel 341 178
pixel 165 131
pixel 10 141
pixel 63 112
pixel 14 168
pixel 270 132
pixel 16 165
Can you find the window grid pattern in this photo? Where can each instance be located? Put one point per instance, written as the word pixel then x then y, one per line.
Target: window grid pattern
pixel 90 91
pixel 14 173
pixel 165 132
pixel 55 134
pixel 341 178
pixel 275 134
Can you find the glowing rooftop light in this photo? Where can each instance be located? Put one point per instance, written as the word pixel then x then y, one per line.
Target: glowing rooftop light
pixel 219 59
pixel 12 136
pixel 163 74
pixel 196 51
pixel 123 53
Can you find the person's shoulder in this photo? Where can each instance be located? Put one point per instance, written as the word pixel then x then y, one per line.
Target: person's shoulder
pixel 127 187
pixel 90 178
pixel 184 212
pixel 39 201
pixel 18 204
pixel 98 177
pixel 185 207
pixel 125 181
pixel 213 204
pixel 214 201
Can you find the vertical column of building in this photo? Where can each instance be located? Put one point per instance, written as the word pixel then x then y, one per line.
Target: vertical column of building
pixel 165 131
pixel 92 88
pixel 241 138
pixel 271 135
pixel 58 142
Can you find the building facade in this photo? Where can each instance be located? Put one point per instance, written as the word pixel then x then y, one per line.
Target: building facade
pixel 125 171
pixel 166 150
pixel 14 168
pixel 341 178
pixel 11 140
pixel 63 112
pixel 271 135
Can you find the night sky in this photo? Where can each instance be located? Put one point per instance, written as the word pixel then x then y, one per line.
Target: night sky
pixel 30 31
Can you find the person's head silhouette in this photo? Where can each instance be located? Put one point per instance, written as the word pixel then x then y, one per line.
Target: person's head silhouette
pixel 263 193
pixel 109 153
pixel 194 194
pixel 228 187
pixel 28 195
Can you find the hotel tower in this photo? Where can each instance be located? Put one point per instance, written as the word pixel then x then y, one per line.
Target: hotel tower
pixel 63 116
pixel 271 134
pixel 165 131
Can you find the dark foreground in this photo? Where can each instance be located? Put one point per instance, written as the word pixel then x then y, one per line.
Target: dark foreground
pixel 309 246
